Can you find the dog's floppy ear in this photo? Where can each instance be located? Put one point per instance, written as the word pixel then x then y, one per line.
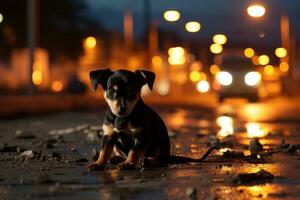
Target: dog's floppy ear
pixel 100 77
pixel 146 77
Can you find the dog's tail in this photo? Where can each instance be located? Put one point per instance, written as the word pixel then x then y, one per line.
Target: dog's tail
pixel 183 159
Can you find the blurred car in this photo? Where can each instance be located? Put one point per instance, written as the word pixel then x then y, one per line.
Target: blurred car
pixel 238 78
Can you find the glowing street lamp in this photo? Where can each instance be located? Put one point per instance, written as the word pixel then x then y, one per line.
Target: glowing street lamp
pixel 256 10
pixel 171 15
pixel 220 39
pixel 193 26
pixel 216 48
pixel 280 52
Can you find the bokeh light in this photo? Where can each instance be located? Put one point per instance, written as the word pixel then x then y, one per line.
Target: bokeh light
pixel 284 66
pixel 37 77
pixel 249 52
pixel 156 60
pixel 203 86
pixel 171 15
pixel 226 125
pixel 255 130
pixel 163 87
pixel 280 52
pixel 90 42
pixel 57 86
pixel 216 48
pixel 220 39
pixel 192 26
pixel 197 65
pixel 263 60
pixel 269 70
pixel 214 69
pixel 1 18
pixel 224 78
pixel 176 56
pixel 256 10
pixel 195 76
pixel 252 78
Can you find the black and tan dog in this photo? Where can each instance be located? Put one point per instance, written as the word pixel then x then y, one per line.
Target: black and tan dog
pixel 132 130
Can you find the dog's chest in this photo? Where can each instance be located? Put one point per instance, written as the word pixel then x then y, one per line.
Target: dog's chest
pixel 129 129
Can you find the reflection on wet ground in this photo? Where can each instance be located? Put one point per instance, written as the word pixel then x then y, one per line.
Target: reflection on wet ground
pixel 192 131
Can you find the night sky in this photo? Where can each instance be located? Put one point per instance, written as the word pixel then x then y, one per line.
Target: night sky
pixel 216 16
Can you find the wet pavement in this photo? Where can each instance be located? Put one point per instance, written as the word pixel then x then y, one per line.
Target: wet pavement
pixel 62 144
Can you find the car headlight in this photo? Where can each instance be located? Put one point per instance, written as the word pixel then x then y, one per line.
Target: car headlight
pixel 252 78
pixel 224 78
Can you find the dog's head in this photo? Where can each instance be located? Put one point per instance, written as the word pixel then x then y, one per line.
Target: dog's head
pixel 121 88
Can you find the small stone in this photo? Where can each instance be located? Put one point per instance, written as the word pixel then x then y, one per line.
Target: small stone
pixel 255 146
pixel 53 156
pixel 92 136
pixel 26 155
pixel 74 149
pixel 191 192
pixel 24 135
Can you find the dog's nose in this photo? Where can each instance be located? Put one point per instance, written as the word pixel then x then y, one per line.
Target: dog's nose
pixel 121 110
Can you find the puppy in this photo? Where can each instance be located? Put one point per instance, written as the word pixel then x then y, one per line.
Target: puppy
pixel 132 130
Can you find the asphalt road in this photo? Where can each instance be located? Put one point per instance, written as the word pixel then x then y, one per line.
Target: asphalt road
pixel 62 144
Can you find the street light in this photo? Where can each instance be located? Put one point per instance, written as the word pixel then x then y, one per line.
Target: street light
pixel 256 10
pixel 192 26
pixel 219 39
pixel 171 15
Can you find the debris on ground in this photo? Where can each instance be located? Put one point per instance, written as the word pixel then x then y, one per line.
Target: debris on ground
pixel 288 148
pixel 255 147
pixel 191 192
pixel 20 134
pixel 28 155
pixel 233 154
pixel 261 176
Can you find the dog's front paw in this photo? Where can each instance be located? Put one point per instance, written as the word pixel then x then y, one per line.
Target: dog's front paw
pixel 127 166
pixel 95 166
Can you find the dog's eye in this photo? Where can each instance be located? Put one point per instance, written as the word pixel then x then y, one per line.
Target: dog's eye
pixel 112 94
